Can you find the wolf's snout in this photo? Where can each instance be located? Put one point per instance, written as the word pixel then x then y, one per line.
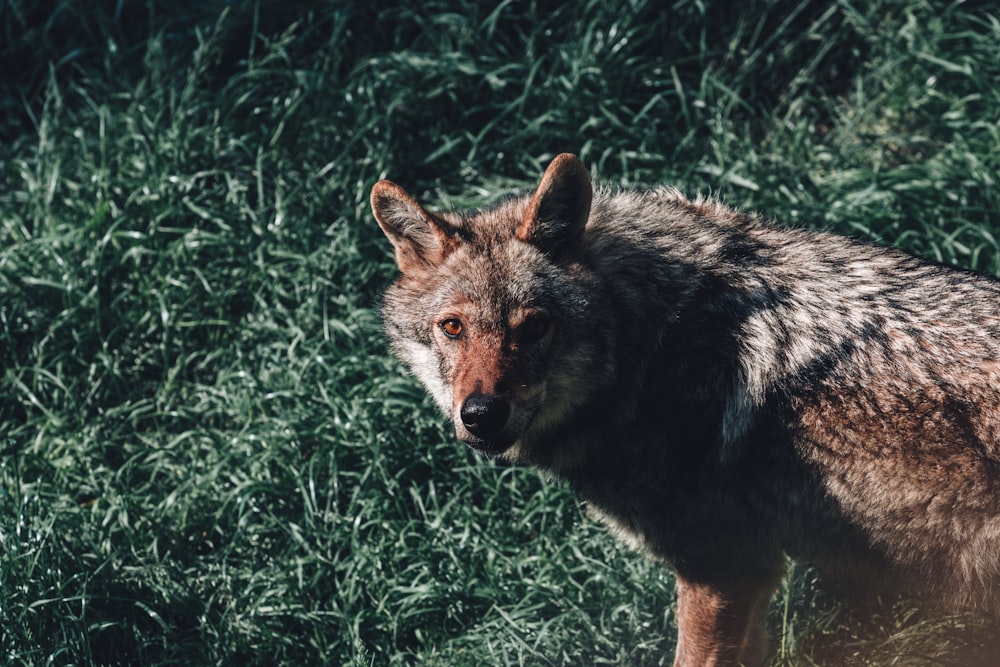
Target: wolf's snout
pixel 485 415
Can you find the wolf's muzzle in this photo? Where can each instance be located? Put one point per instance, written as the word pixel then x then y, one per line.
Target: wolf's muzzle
pixel 485 415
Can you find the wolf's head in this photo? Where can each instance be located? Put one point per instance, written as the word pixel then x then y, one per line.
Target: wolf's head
pixel 493 311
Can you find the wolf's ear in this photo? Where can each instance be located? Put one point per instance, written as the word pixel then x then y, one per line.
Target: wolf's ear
pixel 421 239
pixel 559 209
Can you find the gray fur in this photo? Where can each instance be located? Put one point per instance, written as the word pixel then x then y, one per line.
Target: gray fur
pixel 723 391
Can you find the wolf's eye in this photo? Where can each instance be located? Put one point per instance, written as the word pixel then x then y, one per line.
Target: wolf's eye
pixel 534 328
pixel 452 328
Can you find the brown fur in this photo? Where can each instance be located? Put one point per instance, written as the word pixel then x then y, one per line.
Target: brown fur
pixel 721 391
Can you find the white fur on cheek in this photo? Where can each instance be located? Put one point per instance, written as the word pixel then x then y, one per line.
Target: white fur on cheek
pixel 424 364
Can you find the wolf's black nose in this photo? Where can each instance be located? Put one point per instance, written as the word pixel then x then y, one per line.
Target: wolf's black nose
pixel 485 415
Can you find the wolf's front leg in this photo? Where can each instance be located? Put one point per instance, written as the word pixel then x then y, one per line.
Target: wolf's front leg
pixel 722 624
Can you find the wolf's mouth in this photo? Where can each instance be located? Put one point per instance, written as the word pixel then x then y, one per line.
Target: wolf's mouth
pixel 489 447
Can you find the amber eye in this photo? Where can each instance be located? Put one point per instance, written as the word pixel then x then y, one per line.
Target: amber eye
pixel 534 328
pixel 452 328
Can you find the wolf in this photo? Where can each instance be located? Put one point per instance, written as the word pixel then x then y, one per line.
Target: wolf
pixel 721 391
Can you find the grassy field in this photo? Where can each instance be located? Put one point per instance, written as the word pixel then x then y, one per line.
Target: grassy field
pixel 206 455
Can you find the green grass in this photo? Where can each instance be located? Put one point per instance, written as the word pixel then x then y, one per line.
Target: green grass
pixel 206 455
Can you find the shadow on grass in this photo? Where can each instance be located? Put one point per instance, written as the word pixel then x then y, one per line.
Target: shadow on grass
pixel 818 627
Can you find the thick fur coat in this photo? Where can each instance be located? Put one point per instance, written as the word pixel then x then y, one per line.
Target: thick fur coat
pixel 720 390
